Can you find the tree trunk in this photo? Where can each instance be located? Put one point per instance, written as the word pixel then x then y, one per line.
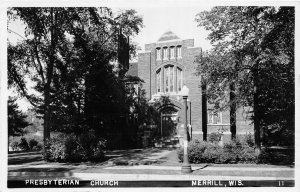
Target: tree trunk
pixel 47 86
pixel 232 98
pixel 257 140
pixel 204 110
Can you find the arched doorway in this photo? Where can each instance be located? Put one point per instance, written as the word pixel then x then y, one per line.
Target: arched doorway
pixel 169 120
pixel 169 123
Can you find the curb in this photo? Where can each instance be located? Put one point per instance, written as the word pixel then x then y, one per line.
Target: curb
pixel 40 174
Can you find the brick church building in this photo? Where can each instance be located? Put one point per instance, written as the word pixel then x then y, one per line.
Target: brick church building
pixel 167 65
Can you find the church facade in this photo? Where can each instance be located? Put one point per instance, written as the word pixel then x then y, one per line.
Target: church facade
pixel 166 66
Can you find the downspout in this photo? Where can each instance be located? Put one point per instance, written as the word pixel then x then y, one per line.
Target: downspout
pixel 191 120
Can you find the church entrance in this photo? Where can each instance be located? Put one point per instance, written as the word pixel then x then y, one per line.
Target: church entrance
pixel 169 123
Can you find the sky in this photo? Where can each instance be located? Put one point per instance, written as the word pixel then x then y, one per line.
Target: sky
pixel 179 20
pixel 156 20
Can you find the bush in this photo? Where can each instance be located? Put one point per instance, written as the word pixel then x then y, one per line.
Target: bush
pixel 248 139
pixel 70 148
pixel 32 143
pixel 55 149
pixel 275 156
pixel 14 145
pixel 215 137
pixel 27 142
pixel 23 145
pixel 247 155
pixel 207 152
pixel 200 152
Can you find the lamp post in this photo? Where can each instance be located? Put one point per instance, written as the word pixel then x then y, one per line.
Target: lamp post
pixel 186 167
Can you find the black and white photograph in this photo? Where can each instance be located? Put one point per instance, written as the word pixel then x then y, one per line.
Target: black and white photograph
pixel 154 95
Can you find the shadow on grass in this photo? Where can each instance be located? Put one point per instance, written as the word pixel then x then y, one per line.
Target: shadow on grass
pixel 59 169
pixel 16 160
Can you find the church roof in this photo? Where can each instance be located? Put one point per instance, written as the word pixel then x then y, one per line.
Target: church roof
pixel 169 35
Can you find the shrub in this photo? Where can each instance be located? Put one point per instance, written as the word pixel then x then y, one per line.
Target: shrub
pixel 215 137
pixel 23 145
pixel 206 152
pixel 248 139
pixel 200 151
pixel 38 147
pixel 275 156
pixel 32 143
pixel 212 153
pixel 70 148
pixel 14 145
pixel 248 155
pixel 55 149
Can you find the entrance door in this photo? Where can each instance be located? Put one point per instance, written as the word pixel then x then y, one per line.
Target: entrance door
pixel 168 124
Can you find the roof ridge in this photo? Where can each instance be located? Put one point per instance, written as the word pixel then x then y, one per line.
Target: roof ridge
pixel 169 35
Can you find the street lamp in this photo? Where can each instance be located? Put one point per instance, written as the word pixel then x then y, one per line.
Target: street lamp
pixel 186 167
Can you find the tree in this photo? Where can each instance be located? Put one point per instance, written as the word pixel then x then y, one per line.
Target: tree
pixel 67 53
pixel 218 77
pixel 261 40
pixel 16 119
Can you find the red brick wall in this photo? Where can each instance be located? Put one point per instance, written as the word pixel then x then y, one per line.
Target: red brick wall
pixel 147 64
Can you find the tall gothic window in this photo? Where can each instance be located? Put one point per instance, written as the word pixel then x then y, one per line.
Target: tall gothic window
pixel 169 79
pixel 179 79
pixel 158 81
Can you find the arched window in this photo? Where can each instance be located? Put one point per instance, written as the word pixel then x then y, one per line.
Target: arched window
pixel 158 53
pixel 158 81
pixel 168 78
pixel 179 79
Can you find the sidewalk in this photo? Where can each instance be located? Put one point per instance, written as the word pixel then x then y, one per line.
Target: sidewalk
pixel 146 164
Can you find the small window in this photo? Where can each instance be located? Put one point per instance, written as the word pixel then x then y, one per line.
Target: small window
pixel 158 81
pixel 178 52
pixel 165 53
pixel 179 79
pixel 214 118
pixel 172 53
pixel 158 54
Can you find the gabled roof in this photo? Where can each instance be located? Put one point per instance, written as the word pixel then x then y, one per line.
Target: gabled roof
pixel 169 35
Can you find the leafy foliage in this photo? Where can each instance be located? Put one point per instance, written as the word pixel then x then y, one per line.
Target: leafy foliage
pixel 23 145
pixel 69 54
pixel 254 50
pixel 208 152
pixel 34 143
pixel 16 119
pixel 69 148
